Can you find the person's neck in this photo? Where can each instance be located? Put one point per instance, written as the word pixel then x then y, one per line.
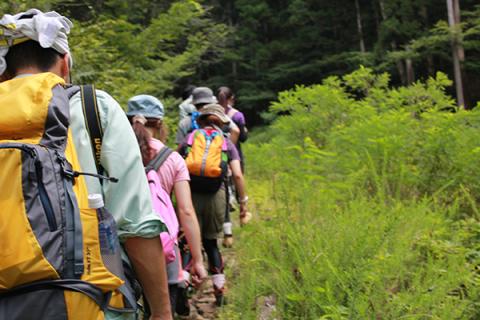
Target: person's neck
pixel 35 70
pixel 28 70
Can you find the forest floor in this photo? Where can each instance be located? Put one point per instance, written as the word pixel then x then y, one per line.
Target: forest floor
pixel 202 302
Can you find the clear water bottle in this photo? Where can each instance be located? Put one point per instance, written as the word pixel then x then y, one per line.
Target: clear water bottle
pixel 107 232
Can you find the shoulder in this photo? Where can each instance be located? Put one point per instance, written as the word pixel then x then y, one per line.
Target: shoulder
pixel 177 159
pixel 239 116
pixel 185 122
pixel 185 103
pixel 155 144
pixel 102 97
pixel 105 101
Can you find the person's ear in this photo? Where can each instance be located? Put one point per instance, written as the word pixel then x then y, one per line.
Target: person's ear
pixel 65 67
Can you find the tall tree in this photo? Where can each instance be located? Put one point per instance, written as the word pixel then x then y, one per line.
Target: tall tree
pixel 359 27
pixel 453 21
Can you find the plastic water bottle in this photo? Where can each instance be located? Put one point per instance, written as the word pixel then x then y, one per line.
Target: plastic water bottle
pixel 107 232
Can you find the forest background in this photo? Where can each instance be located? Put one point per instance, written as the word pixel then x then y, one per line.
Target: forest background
pixel 365 184
pixel 261 47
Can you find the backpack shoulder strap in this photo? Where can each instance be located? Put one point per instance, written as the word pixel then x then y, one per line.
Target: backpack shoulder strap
pixel 220 134
pixel 191 136
pixel 159 159
pixel 92 122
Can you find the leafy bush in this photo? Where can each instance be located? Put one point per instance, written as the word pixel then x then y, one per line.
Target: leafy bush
pixel 367 198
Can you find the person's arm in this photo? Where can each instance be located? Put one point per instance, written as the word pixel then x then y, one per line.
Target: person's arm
pixel 234 132
pixel 239 185
pixel 146 256
pixel 239 119
pixel 189 223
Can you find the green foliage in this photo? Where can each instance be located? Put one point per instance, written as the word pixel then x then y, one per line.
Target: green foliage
pixel 130 48
pixel 12 7
pixel 261 47
pixel 129 59
pixel 368 204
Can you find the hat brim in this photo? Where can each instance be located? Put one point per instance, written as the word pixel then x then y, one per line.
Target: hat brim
pixel 146 115
pixel 222 117
pixel 203 100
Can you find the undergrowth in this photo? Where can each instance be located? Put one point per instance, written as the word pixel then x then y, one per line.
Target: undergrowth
pixel 366 205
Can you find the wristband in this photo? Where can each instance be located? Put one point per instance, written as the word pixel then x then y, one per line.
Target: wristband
pixel 244 200
pixel 227 228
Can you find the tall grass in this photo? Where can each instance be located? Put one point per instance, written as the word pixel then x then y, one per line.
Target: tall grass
pixel 366 201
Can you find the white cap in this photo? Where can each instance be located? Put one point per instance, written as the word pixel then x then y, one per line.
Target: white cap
pixel 95 201
pixel 49 29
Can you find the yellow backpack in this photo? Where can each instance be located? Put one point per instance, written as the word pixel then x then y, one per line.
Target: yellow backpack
pixel 51 265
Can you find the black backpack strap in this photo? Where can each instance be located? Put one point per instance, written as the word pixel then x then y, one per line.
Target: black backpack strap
pixel 92 122
pixel 159 159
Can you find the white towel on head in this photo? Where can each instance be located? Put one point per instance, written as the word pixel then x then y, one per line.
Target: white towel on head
pixel 50 29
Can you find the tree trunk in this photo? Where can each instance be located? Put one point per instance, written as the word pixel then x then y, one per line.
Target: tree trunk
pixel 456 11
pixel 359 27
pixel 393 44
pixel 410 71
pixel 231 23
pixel 455 55
pixel 382 9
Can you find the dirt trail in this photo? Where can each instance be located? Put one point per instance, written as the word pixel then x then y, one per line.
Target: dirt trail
pixel 202 303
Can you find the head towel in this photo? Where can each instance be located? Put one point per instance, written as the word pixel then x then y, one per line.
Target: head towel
pixel 50 29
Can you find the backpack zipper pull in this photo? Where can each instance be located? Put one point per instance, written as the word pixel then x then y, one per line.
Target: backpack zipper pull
pixel 96 175
pixel 68 172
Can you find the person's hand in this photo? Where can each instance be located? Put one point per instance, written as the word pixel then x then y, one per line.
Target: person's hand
pixel 199 274
pixel 227 241
pixel 243 209
pixel 245 216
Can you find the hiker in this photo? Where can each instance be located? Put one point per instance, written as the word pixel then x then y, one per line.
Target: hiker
pixel 186 108
pixel 34 55
pixel 146 115
pixel 226 99
pixel 207 154
pixel 202 96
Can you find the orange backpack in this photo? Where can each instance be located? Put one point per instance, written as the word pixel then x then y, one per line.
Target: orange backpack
pixel 206 160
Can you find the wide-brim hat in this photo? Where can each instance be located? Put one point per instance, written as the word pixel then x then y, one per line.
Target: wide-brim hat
pixel 203 95
pixel 216 110
pixel 145 105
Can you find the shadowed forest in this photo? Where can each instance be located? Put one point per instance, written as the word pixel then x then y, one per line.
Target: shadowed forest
pixel 262 47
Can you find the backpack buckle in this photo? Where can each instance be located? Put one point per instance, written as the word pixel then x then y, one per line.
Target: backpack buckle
pixel 65 166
